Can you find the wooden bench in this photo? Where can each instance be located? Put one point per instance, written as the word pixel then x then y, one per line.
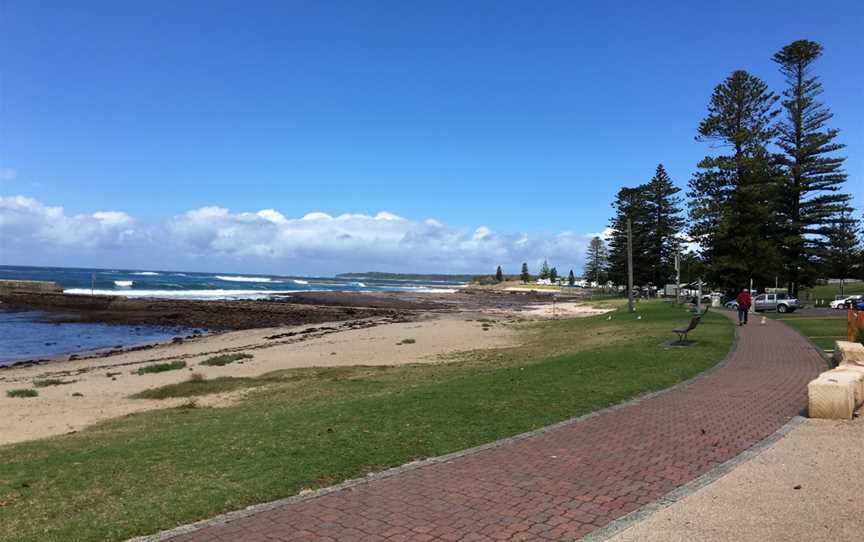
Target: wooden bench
pixel 683 331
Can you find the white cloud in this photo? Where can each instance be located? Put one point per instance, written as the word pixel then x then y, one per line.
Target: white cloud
pixel 272 215
pixel 316 216
pixel 606 234
pixel 25 221
pixel 314 243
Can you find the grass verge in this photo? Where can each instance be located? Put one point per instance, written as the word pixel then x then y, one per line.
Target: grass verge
pixel 820 331
pixel 829 292
pixel 308 428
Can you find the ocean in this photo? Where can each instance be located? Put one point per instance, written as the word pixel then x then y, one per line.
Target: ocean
pixel 29 335
pixel 191 285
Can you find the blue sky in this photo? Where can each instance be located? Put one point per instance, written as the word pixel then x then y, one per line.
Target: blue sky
pixel 523 118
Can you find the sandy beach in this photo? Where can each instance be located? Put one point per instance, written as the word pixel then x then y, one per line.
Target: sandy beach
pixel 434 327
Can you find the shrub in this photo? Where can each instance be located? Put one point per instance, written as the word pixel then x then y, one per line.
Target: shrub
pixel 161 367
pixel 225 359
pixel 24 392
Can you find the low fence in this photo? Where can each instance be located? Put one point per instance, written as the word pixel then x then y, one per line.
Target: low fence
pixel 855 325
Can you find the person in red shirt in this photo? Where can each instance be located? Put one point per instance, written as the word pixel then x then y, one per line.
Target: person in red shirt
pixel 744 301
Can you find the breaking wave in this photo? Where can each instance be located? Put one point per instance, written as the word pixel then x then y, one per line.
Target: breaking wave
pixel 243 279
pixel 425 290
pixel 181 294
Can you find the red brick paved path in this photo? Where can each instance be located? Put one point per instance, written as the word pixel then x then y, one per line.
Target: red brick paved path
pixel 565 483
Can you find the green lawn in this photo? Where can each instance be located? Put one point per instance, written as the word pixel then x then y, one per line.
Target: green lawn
pixel 820 331
pixel 310 428
pixel 830 292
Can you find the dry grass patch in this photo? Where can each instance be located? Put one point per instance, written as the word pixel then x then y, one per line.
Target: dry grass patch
pixel 22 393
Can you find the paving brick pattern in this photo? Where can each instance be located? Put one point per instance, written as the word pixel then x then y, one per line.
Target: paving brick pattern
pixel 567 482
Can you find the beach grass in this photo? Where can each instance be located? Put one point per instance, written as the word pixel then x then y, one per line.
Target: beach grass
pixel 50 382
pixel 22 393
pixel 225 359
pixel 197 387
pixel 309 428
pixel 161 367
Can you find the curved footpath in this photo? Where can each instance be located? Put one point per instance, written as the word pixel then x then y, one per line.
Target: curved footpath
pixel 563 482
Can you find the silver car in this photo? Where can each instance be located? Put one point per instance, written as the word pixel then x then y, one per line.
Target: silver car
pixel 778 302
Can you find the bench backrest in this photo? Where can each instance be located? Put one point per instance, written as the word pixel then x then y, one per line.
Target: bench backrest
pixel 694 322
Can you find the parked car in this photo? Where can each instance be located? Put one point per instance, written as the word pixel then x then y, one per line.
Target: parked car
pixel 731 305
pixel 844 302
pixel 708 297
pixel 778 302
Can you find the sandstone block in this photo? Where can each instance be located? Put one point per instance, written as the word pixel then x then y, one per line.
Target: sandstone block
pixel 848 353
pixel 831 397
pixel 848 373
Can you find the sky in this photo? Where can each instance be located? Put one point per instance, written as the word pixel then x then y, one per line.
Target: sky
pixel 318 137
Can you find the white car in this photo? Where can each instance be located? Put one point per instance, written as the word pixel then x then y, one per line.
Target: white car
pixel 844 301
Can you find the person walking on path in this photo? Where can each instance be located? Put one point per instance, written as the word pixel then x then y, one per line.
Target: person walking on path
pixel 744 301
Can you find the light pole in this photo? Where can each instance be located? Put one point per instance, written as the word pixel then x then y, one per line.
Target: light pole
pixel 699 296
pixel 630 306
